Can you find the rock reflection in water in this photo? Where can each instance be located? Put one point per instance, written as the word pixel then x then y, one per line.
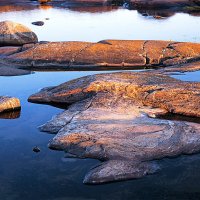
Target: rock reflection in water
pixel 10 115
pixel 98 23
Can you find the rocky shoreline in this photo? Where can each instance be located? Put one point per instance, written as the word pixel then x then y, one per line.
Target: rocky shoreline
pixel 117 117
pixel 21 50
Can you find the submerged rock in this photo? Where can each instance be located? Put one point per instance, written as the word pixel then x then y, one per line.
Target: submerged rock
pixel 114 118
pixel 12 33
pixel 9 104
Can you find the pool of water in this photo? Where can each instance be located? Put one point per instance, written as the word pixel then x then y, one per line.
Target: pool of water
pixel 25 175
pixel 69 25
pixel 188 76
pixel 47 176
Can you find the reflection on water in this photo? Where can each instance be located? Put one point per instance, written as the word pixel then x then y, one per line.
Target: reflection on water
pixel 10 115
pixel 25 175
pixel 68 25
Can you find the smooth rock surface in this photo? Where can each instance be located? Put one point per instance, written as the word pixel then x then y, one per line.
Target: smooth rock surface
pixel 114 118
pixel 11 71
pixel 9 104
pixel 12 33
pixel 107 54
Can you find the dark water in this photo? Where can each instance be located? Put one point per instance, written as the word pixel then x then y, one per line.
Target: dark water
pixel 25 175
pixel 47 176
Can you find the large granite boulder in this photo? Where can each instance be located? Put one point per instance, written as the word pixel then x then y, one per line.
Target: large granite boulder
pixel 9 104
pixel 118 119
pixel 12 33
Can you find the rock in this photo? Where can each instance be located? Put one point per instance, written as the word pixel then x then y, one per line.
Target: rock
pixel 161 4
pixel 8 50
pixel 12 33
pixel 11 71
pixel 188 67
pixel 107 54
pixel 109 119
pixel 38 23
pixel 44 1
pixel 36 149
pixel 9 104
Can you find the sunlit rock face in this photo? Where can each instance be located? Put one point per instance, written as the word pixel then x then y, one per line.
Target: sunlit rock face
pixel 9 104
pixel 103 55
pixel 12 33
pixel 44 1
pixel 113 118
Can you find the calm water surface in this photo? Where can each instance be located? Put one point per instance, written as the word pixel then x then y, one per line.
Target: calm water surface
pixel 64 24
pixel 46 175
pixel 25 175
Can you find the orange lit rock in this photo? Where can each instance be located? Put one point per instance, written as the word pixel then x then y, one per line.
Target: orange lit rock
pixel 8 50
pixel 114 118
pixel 9 104
pixel 44 1
pixel 107 54
pixel 12 33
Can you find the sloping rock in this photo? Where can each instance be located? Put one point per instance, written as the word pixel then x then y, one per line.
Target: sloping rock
pixel 107 54
pixel 9 50
pixel 112 118
pixel 188 67
pixel 12 33
pixel 11 71
pixel 9 104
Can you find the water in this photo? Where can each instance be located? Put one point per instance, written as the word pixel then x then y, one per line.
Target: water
pixel 189 76
pixel 68 25
pixel 47 176
pixel 25 175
